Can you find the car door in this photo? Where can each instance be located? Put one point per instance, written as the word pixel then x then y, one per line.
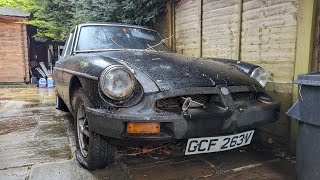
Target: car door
pixel 61 77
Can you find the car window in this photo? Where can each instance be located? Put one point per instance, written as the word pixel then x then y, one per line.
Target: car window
pixel 68 46
pixel 118 37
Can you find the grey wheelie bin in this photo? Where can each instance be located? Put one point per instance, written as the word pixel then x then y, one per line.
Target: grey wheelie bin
pixel 307 111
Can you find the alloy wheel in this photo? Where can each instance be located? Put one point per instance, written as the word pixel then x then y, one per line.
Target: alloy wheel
pixel 83 130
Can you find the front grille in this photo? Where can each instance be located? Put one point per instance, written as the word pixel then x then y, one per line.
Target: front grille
pixel 176 102
pixel 242 96
pixel 173 102
pixel 200 98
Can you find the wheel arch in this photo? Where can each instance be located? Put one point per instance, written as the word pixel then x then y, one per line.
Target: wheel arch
pixel 75 84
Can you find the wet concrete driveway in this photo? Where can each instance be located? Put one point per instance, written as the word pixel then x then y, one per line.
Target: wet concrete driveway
pixel 37 142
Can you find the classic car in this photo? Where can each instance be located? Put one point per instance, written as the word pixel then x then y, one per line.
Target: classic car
pixel 125 87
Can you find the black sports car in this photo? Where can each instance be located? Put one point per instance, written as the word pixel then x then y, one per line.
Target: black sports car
pixel 124 87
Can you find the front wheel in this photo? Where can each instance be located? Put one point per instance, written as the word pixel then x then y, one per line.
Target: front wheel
pixel 93 150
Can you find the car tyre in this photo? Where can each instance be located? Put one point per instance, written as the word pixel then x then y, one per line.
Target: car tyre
pixel 93 150
pixel 60 105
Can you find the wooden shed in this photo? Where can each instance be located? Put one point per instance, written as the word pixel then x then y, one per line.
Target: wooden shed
pixel 14 66
pixel 282 36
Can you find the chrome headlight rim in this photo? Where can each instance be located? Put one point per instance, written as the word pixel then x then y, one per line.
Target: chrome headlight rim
pixel 111 69
pixel 262 73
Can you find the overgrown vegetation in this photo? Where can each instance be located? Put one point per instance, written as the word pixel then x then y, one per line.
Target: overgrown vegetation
pixel 54 18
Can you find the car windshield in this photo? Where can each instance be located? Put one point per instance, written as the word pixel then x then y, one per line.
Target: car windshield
pixel 101 37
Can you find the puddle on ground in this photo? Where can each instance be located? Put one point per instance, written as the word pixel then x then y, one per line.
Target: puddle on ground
pixel 51 130
pixel 38 105
pixel 32 100
pixel 55 148
pixel 16 125
pixel 61 153
pixel 31 129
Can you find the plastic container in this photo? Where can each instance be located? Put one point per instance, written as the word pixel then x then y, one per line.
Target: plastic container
pixel 34 80
pixel 42 83
pixel 50 82
pixel 307 111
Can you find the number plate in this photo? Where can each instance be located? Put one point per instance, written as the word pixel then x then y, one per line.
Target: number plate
pixel 216 144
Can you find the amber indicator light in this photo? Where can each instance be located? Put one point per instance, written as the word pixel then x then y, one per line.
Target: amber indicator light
pixel 143 128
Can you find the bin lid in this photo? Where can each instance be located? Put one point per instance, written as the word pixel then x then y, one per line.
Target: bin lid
pixel 312 79
pixel 294 111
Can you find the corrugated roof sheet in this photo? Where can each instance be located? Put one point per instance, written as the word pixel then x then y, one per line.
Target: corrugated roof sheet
pixel 17 12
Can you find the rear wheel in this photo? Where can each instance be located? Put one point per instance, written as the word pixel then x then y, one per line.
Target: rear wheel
pixel 93 150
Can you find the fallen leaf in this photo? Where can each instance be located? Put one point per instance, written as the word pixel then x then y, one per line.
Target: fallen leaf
pixel 270 140
pixel 166 151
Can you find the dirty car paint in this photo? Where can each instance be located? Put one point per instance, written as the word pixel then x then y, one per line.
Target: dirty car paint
pixel 225 87
pixel 168 70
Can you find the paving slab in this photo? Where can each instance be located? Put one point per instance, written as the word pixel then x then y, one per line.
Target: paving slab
pixel 31 130
pixel 71 169
pixel 227 160
pixel 37 142
pixel 274 170
pixel 59 170
pixel 19 173
pixel 172 169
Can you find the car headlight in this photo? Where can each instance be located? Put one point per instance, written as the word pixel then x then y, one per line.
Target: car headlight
pixel 260 75
pixel 117 82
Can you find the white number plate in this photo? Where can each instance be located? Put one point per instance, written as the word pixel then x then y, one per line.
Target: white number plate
pixel 216 144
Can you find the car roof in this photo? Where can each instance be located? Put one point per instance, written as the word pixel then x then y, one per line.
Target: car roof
pixel 114 24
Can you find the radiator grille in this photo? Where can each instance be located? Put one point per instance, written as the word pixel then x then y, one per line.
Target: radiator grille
pixel 176 102
pixel 241 96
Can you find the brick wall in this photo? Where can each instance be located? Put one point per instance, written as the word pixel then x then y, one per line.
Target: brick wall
pixel 13 51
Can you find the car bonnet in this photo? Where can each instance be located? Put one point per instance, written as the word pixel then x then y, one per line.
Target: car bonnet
pixel 174 71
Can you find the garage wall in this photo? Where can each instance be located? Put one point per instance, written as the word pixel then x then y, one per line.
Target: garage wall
pixel 268 38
